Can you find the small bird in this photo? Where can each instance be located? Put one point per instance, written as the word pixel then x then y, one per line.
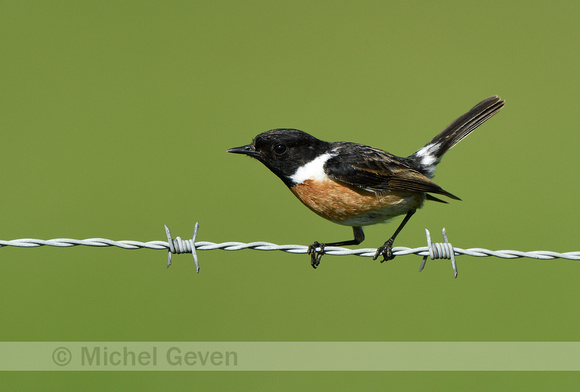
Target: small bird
pixel 356 185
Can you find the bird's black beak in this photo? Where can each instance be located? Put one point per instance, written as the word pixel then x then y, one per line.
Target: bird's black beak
pixel 246 150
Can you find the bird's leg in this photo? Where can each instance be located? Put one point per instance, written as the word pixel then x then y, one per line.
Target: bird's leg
pixel 387 249
pixel 315 256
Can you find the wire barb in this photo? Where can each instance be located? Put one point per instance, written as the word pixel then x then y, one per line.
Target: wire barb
pixel 177 246
pixel 440 251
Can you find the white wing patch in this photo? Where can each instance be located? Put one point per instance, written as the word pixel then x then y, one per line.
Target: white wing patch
pixel 428 158
pixel 427 154
pixel 313 170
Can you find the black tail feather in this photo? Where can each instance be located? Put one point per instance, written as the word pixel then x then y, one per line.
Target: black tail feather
pixel 428 156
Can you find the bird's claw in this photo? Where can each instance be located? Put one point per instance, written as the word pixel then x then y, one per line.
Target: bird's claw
pixel 386 251
pixel 315 255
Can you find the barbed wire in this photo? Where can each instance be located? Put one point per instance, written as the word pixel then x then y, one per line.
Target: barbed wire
pixel 177 246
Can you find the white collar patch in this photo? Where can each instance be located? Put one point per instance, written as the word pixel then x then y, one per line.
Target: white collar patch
pixel 313 170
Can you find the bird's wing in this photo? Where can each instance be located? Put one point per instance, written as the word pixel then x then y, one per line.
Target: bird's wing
pixel 377 171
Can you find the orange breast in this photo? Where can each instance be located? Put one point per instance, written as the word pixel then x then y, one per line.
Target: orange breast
pixel 346 205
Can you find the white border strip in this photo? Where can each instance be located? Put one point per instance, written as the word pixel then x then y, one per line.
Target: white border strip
pixel 290 356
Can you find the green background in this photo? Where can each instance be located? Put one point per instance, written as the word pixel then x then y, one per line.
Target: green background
pixel 115 117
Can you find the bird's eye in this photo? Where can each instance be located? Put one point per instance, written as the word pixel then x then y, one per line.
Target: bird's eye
pixel 280 149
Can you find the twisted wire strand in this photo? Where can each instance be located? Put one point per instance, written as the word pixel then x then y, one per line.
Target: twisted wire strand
pixel 97 242
pixel 297 249
pixel 177 245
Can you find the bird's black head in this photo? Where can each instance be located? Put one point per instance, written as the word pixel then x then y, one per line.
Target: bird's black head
pixel 283 151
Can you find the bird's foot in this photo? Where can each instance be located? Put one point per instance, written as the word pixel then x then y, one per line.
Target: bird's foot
pixel 386 251
pixel 315 255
